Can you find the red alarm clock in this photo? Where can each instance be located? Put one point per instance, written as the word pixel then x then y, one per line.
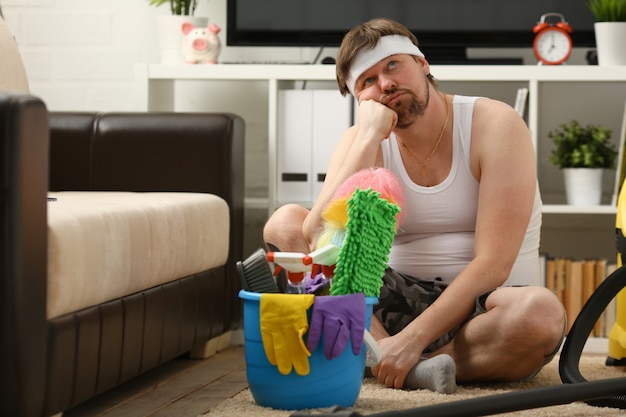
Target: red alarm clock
pixel 553 42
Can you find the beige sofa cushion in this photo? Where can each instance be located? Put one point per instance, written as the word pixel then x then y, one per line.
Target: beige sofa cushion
pixel 105 245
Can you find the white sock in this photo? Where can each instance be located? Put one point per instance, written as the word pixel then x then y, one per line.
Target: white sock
pixel 436 374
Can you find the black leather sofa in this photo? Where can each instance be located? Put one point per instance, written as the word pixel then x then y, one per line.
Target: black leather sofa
pixel 49 366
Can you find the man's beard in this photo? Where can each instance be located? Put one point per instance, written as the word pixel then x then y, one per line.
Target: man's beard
pixel 409 107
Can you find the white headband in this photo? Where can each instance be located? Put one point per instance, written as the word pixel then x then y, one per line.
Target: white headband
pixel 386 46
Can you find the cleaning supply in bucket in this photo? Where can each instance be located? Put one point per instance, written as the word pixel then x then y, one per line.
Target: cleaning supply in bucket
pixel 295 285
pixel 335 214
pixel 369 235
pixel 292 263
pixel 283 323
pixel 299 268
pixel 340 319
pixel 362 219
pixel 324 259
pixel 255 273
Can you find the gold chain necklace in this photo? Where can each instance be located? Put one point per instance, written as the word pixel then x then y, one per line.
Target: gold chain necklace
pixel 424 164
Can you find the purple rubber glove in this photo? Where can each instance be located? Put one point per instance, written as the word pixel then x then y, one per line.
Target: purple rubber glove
pixel 316 284
pixel 338 317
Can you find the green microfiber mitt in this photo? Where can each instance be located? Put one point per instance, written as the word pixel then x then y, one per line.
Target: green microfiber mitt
pixel 370 231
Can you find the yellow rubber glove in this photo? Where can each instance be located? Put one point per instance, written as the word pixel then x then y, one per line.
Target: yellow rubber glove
pixel 284 322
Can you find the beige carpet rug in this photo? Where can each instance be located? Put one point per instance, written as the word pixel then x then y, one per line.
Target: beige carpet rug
pixel 375 398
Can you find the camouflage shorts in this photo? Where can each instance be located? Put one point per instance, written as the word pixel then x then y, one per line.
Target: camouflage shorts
pixel 403 298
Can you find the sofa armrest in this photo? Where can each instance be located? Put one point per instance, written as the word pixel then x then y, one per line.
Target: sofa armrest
pixel 23 252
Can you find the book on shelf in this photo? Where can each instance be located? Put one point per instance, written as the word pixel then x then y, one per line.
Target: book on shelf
pixel 573 290
pixel 573 281
pixel 520 101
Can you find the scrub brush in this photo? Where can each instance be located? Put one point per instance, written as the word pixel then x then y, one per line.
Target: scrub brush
pixel 255 273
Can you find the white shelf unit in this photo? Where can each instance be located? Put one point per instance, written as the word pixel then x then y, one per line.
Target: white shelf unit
pixel 156 85
pixel 556 94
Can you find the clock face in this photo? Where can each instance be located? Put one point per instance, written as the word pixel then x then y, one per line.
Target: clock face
pixel 552 46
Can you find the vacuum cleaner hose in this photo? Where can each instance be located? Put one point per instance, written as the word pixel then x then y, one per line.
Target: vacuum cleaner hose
pixel 580 330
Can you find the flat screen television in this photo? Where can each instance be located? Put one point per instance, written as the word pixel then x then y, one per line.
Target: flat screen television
pixel 444 28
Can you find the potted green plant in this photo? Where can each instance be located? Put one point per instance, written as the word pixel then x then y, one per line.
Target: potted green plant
pixel 178 7
pixel 582 153
pixel 610 30
pixel 170 27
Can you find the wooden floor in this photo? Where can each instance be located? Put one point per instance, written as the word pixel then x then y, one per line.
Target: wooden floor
pixel 181 388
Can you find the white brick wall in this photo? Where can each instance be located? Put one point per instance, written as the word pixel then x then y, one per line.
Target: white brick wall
pixel 80 54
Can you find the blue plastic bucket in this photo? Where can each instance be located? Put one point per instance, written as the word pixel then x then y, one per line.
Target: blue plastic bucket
pixel 331 382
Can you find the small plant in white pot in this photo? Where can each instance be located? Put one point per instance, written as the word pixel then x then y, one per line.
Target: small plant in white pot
pixel 178 7
pixel 170 27
pixel 610 30
pixel 582 153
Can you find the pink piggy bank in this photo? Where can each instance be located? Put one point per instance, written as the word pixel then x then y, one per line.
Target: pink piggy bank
pixel 201 44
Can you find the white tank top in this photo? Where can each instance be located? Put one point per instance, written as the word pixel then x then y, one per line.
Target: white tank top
pixel 436 237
